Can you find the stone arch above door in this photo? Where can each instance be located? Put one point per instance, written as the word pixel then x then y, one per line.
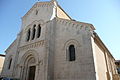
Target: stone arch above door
pixel 29 62
pixel 29 54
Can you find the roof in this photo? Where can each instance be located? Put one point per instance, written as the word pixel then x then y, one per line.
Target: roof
pixel 64 11
pixel 2 55
pixel 118 61
pixel 12 44
pixel 97 38
pixel 45 3
pixel 76 22
pixel 38 4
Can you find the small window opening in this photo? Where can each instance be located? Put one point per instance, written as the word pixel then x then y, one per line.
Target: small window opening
pixel 28 35
pixel 36 12
pixel 39 31
pixel 34 31
pixel 118 69
pixel 71 53
pixel 10 63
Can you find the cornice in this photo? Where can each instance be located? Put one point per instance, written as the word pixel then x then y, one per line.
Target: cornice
pixel 102 45
pixel 32 45
pixel 75 24
pixel 2 55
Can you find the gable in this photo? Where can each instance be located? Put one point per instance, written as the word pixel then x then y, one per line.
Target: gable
pixel 44 11
pixel 40 11
pixel 62 14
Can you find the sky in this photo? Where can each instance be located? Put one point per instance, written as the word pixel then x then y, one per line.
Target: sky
pixel 103 14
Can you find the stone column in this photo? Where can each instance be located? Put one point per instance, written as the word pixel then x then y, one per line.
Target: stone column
pixel 36 33
pixel 31 34
pixel 37 76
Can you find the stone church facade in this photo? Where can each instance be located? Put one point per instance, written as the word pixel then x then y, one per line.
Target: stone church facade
pixel 52 46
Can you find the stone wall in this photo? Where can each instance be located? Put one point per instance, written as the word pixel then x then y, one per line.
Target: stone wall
pixel 10 55
pixel 2 58
pixel 67 33
pixel 100 63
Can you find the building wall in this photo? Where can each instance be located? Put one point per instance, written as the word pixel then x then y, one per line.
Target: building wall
pixel 49 52
pixel 19 51
pixel 65 35
pixel 104 62
pixel 35 48
pixel 112 69
pixel 11 53
pixel 46 11
pixel 61 14
pixel 1 63
pixel 100 63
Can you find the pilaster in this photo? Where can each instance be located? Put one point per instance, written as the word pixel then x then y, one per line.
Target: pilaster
pixel 36 33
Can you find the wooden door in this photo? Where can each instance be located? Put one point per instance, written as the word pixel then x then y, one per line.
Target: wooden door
pixel 31 74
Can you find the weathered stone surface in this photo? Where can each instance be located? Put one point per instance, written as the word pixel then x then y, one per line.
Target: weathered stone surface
pixel 49 53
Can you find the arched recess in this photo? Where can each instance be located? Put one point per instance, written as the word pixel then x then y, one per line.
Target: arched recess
pixel 10 61
pixel 28 35
pixel 67 45
pixel 29 62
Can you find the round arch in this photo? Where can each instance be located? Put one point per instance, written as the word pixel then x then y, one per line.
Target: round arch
pixel 70 42
pixel 67 45
pixel 10 61
pixel 27 55
pixel 29 61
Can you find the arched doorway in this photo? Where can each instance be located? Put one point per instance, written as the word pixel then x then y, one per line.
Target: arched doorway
pixel 31 69
pixel 29 66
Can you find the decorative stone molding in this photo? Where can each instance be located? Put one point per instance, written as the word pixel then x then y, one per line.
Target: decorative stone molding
pixel 71 41
pixel 25 62
pixel 75 24
pixel 29 54
pixel 32 45
pixel 67 44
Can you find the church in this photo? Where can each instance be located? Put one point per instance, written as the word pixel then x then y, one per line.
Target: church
pixel 53 46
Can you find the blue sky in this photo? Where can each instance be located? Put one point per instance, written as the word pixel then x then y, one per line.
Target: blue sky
pixel 103 14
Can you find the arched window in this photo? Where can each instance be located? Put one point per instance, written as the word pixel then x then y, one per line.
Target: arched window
pixel 34 31
pixel 71 53
pixel 36 12
pixel 10 63
pixel 39 31
pixel 118 69
pixel 28 35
